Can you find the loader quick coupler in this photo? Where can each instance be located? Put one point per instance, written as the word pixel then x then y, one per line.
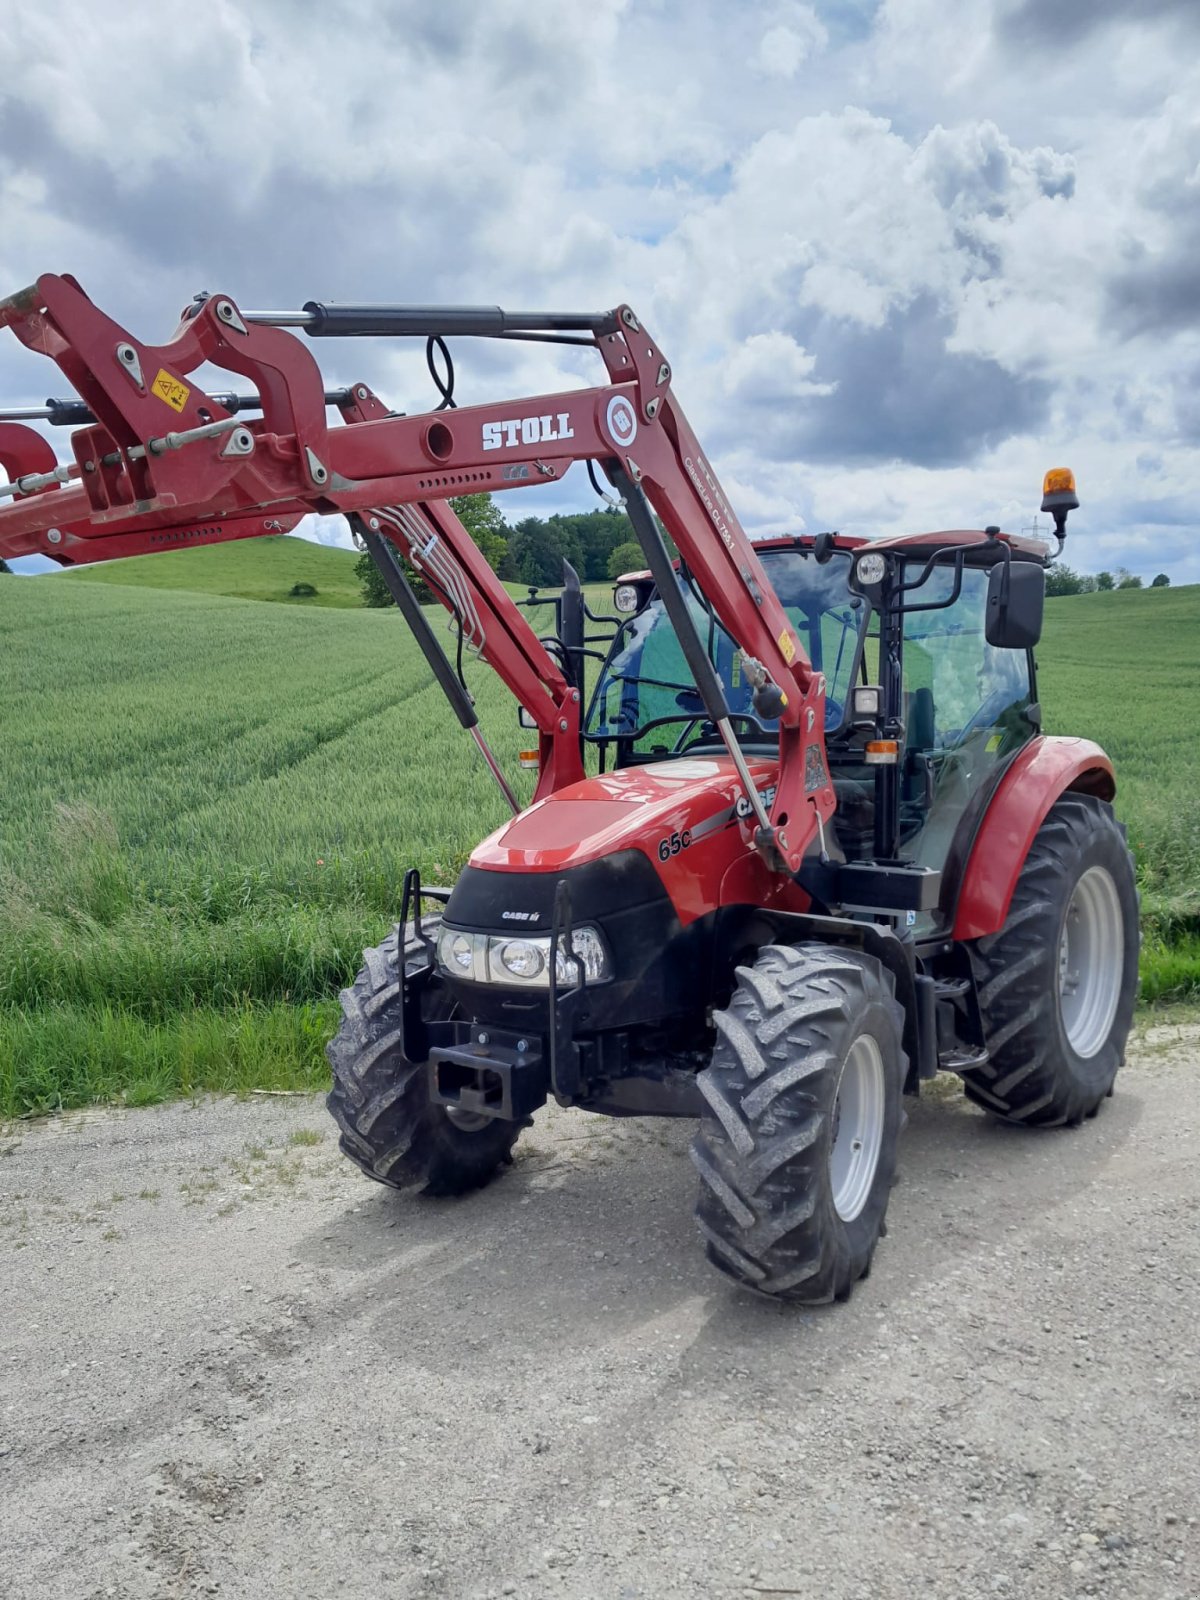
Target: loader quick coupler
pixel 494 1074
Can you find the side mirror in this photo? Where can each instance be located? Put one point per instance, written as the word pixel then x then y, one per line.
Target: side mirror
pixel 1015 602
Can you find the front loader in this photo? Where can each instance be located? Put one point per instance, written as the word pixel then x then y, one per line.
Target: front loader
pixel 799 847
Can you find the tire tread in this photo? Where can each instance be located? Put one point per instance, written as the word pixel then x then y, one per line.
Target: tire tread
pixel 1031 1076
pixel 761 1153
pixel 379 1098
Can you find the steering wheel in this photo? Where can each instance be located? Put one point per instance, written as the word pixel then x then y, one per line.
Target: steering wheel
pixel 659 683
pixel 999 701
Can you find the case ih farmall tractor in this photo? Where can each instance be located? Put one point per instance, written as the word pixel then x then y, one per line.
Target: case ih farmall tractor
pixel 825 851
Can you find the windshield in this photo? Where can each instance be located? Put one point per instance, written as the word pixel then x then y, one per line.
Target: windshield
pixel 647 698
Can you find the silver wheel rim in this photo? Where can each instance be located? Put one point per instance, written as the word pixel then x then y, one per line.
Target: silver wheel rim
pixel 1091 958
pixel 466 1121
pixel 857 1127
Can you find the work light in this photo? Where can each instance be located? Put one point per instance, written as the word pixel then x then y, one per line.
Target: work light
pixel 870 568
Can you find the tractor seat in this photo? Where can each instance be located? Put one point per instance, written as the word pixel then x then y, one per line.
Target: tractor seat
pixel 854 818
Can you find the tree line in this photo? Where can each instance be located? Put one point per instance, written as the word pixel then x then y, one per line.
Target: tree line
pixel 600 545
pixel 1064 580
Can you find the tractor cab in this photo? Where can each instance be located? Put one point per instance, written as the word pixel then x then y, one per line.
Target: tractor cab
pixel 929 691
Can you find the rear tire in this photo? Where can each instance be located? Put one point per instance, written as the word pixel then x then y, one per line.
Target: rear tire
pixel 380 1099
pixel 797 1145
pixel 1057 984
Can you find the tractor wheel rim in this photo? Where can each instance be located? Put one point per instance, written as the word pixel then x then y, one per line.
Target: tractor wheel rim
pixel 858 1114
pixel 1091 955
pixel 466 1121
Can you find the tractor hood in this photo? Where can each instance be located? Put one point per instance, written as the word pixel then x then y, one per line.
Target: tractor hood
pixel 646 855
pixel 664 809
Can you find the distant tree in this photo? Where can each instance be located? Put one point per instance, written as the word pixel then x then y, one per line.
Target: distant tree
pixel 375 591
pixel 536 550
pixel 626 557
pixel 482 520
pixel 596 534
pixel 4 567
pixel 481 517
pixel 1104 580
pixel 1161 581
pixel 1062 580
pixel 1128 580
pixel 538 546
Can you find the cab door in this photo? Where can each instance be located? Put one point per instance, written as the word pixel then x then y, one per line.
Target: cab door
pixel 967 713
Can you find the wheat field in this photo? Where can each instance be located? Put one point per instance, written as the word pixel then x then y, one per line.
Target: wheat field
pixel 209 804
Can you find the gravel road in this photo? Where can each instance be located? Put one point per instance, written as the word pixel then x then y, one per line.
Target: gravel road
pixel 233 1367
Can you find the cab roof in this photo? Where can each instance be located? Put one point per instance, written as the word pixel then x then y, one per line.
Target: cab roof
pixel 919 543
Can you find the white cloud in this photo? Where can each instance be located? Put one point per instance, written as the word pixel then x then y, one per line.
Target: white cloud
pixel 771 366
pixel 901 260
pixel 793 36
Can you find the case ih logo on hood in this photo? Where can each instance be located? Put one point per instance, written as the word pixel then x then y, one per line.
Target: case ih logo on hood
pixel 744 809
pixel 514 431
pixel 520 916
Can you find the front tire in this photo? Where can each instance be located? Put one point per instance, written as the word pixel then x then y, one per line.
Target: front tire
pixel 797 1145
pixel 1057 985
pixel 380 1099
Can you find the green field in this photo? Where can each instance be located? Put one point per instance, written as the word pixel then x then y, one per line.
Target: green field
pixel 256 569
pixel 209 804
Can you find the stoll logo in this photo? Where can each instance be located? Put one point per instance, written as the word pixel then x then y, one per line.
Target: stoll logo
pixel 622 421
pixel 514 431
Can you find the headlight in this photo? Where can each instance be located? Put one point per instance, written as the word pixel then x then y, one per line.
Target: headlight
pixel 523 963
pixel 457 952
pixel 520 958
pixel 870 568
pixel 625 597
pixel 589 947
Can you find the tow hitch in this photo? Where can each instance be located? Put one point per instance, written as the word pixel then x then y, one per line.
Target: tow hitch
pixel 495 1075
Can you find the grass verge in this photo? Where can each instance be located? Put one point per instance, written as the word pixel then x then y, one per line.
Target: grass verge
pixel 60 1056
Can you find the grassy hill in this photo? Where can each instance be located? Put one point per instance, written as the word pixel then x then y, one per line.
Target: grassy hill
pixel 209 805
pixel 247 569
pixel 1124 669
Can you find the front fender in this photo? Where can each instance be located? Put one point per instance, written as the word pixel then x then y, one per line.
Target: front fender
pixel 1045 769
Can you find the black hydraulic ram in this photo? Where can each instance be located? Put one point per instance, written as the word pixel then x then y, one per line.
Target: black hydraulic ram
pixel 393 575
pixel 430 322
pixel 74 414
pixel 711 689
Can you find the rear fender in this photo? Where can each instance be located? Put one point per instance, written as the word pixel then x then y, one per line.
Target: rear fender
pixel 1043 771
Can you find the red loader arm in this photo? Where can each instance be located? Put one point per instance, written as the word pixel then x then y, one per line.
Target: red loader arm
pixel 162 463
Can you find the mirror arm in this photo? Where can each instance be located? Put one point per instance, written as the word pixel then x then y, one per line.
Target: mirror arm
pixel 935 605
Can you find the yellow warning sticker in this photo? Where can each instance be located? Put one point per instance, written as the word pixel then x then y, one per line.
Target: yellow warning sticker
pixel 170 390
pixel 788 645
pixel 993 743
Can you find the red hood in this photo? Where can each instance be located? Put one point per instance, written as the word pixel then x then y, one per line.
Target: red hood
pixel 631 809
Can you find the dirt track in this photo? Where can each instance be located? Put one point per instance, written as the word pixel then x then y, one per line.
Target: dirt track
pixel 231 1366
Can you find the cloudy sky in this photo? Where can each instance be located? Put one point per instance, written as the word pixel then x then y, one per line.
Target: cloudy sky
pixel 904 255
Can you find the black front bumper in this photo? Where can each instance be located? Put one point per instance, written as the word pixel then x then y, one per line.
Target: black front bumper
pixel 564 1045
pixel 493 1071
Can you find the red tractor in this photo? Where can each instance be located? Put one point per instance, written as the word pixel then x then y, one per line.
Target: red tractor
pixel 825 851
